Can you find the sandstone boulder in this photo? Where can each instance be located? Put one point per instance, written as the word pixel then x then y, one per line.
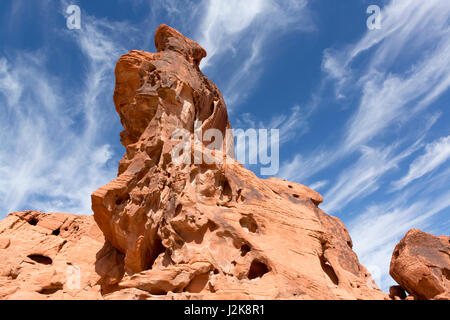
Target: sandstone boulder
pixel 421 264
pixel 397 293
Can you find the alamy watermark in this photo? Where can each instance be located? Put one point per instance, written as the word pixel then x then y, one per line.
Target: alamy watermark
pixel 374 20
pixel 73 20
pixel 73 277
pixel 262 148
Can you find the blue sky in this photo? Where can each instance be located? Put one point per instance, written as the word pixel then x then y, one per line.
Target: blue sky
pixel 363 114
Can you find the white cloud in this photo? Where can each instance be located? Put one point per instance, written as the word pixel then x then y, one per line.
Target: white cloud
pixel 46 162
pixel 376 232
pixel 388 98
pixel 407 68
pixel 318 185
pixel 436 153
pixel 226 23
pixel 239 30
pixel 416 29
pixel 363 177
pixel 301 168
pixel 290 125
pixel 9 84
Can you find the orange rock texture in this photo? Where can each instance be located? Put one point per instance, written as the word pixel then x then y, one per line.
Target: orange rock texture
pixel 49 256
pixel 166 229
pixel 421 265
pixel 209 230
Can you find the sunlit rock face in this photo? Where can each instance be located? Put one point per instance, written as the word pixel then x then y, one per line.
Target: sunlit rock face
pixel 421 265
pixel 211 229
pixel 50 256
pixel 201 228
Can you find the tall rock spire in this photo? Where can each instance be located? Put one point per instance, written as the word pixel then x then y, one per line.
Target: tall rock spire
pixel 210 228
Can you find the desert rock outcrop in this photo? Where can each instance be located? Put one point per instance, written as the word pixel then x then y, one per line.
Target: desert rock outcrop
pixel 201 228
pixel 210 229
pixel 421 264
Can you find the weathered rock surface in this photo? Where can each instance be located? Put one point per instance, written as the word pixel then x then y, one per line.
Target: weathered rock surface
pixel 421 264
pixel 210 230
pixel 207 229
pixel 49 256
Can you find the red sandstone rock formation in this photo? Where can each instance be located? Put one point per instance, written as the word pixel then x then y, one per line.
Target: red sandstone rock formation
pixel 421 265
pixel 176 230
pixel 210 230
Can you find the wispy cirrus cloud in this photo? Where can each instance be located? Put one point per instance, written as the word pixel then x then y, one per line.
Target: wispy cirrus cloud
pixel 387 99
pixel 52 154
pixel 237 32
pixel 436 153
pixel 55 151
pixel 290 125
pixel 226 24
pixel 409 29
pixel 407 69
pixel 362 178
pixel 375 236
pixel 319 185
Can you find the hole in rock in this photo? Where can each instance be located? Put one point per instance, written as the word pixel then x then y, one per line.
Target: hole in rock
pixel 51 289
pixel 155 251
pixel 396 254
pixel 56 232
pixel 245 249
pixel 240 198
pixel 158 291
pixel 296 196
pixel 178 209
pixel 248 223
pixel 40 259
pixel 257 270
pixel 122 200
pixel 193 175
pixel 212 226
pixel 33 221
pixel 329 271
pixel 446 273
pixel 227 193
pixel 290 187
pixel 13 275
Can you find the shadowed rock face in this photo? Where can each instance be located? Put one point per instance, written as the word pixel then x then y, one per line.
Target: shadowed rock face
pixel 421 265
pixel 176 230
